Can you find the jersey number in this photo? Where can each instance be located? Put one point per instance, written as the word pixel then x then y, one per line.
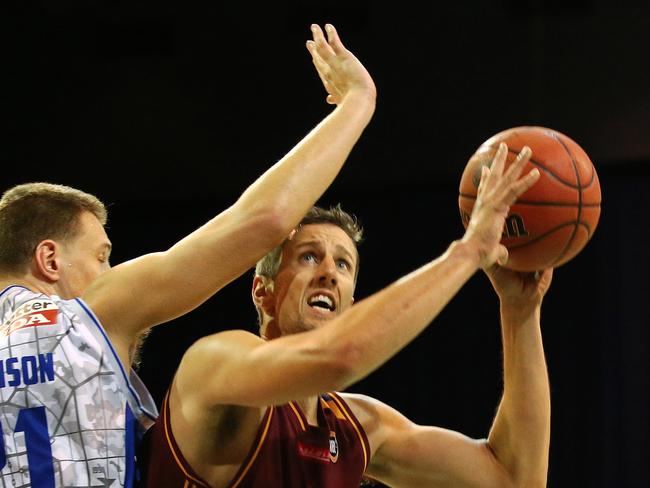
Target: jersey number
pixel 33 423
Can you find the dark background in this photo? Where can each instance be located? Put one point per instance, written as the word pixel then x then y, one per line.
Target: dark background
pixel 168 112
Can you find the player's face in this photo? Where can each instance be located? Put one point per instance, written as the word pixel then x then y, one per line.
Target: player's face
pixel 84 257
pixel 315 282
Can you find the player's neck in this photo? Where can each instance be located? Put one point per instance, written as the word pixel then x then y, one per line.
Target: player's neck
pixel 309 407
pixel 29 282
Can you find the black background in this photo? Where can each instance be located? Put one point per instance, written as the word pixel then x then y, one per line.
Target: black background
pixel 167 112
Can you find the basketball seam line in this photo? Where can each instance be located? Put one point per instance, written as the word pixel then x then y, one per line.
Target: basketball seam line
pixel 551 173
pixel 575 227
pixel 533 203
pixel 575 223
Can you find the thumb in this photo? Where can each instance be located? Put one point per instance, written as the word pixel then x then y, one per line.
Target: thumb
pixel 502 255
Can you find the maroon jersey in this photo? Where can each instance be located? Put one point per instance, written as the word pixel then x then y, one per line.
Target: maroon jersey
pixel 286 453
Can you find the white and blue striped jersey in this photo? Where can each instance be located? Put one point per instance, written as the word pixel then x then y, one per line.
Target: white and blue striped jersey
pixel 69 413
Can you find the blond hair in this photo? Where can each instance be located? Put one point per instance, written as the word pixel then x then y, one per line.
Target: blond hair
pixel 32 212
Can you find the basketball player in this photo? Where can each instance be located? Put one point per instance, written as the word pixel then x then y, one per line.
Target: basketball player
pixel 70 403
pixel 245 411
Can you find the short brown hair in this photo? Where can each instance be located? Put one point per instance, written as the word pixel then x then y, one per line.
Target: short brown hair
pixel 269 265
pixel 32 212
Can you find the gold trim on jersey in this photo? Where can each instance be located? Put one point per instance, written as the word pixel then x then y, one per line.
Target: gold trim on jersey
pixel 351 418
pixel 170 444
pixel 257 450
pixel 298 414
pixel 334 408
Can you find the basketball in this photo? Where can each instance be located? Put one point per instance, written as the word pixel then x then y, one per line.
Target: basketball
pixel 553 220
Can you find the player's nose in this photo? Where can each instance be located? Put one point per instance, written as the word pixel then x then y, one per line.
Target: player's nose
pixel 327 271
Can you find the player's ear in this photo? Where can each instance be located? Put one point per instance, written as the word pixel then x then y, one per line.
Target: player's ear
pixel 263 294
pixel 46 260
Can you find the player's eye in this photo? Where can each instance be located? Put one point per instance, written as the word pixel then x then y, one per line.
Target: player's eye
pixel 308 257
pixel 343 264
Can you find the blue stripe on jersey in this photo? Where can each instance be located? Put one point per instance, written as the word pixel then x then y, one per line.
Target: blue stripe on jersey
pixel 12 286
pixel 129 455
pixel 135 395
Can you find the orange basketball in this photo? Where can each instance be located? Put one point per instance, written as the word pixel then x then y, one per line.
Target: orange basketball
pixel 554 219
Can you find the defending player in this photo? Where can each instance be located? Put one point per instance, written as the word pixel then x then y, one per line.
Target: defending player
pixel 245 411
pixel 69 401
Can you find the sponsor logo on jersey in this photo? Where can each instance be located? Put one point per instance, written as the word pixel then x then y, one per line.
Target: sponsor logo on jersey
pixel 312 444
pixel 31 314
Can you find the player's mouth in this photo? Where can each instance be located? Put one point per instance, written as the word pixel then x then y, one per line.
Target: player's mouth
pixel 322 302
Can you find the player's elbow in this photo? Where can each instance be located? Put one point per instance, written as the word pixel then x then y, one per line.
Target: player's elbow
pixel 526 477
pixel 515 471
pixel 271 223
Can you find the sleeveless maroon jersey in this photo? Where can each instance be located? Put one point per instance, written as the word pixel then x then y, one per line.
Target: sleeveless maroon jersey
pixel 286 453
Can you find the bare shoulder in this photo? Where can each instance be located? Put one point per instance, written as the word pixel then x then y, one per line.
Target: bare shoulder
pixel 369 408
pixel 226 338
pixel 376 417
pixel 211 366
pixel 212 351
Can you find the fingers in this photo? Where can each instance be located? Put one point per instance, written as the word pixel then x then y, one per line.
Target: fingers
pixel 323 55
pixel 322 67
pixel 508 185
pixel 499 161
pixel 323 48
pixel 333 39
pixel 517 166
pixel 319 64
pixel 316 58
pixel 519 186
pixel 340 71
pixel 522 184
pixel 485 172
pixel 491 174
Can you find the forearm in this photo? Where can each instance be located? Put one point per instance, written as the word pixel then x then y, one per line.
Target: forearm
pixel 275 203
pixel 191 271
pixel 293 184
pixel 520 435
pixel 378 327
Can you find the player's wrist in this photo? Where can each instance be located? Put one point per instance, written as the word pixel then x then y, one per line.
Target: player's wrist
pixel 466 250
pixel 361 97
pixel 519 311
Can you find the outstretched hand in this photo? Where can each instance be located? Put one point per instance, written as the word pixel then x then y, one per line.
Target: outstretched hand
pixel 497 191
pixel 519 288
pixel 339 70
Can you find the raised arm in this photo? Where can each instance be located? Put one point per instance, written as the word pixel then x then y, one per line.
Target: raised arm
pixel 520 434
pixel 516 451
pixel 158 287
pixel 241 369
pixel 405 454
